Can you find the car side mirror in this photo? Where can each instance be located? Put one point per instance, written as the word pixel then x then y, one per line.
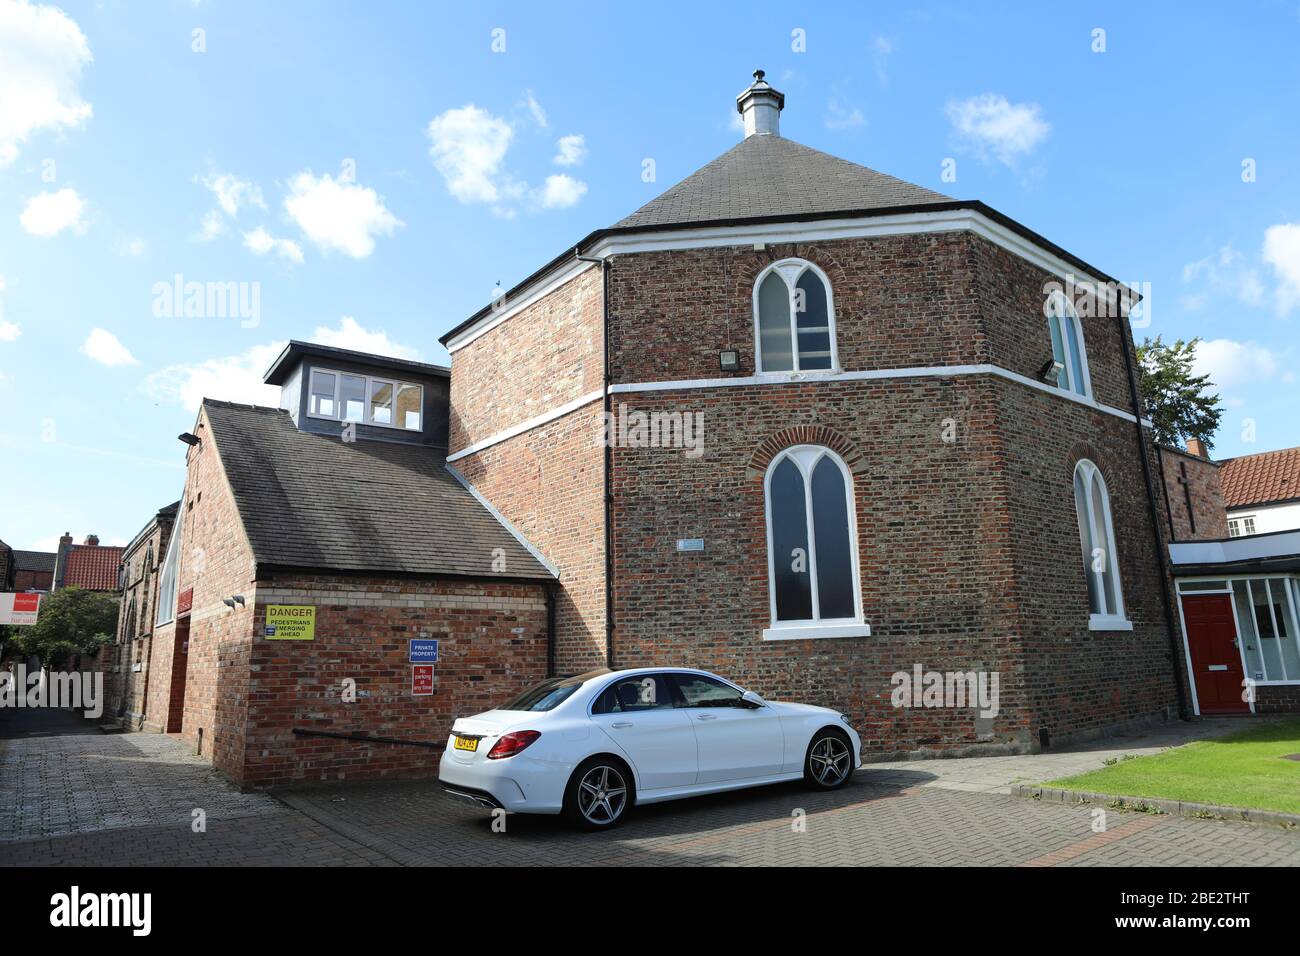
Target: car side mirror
pixel 750 699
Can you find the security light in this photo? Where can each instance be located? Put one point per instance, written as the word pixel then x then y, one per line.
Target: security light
pixel 729 360
pixel 1051 372
pixel 229 602
pixel 188 438
pixel 238 599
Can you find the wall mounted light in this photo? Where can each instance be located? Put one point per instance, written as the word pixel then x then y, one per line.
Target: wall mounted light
pixel 189 439
pixel 729 360
pixel 1051 372
pixel 239 599
pixel 229 602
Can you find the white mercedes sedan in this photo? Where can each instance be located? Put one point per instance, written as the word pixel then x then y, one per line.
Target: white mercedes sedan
pixel 593 745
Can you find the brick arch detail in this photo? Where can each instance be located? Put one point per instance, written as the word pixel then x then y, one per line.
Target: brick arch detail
pixel 1084 449
pixel 823 257
pixel 773 445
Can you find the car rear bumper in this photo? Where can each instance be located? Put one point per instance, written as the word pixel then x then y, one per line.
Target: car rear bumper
pixel 513 784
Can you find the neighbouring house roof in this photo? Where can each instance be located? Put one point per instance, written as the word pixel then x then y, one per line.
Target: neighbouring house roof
pixel 165 515
pixel 315 501
pixel 34 560
pixel 1266 478
pixel 773 176
pixel 93 567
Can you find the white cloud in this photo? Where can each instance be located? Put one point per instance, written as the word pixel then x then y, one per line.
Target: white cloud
pixel 8 330
pixel 261 242
pixel 238 378
pixel 989 125
pixel 535 108
pixel 1282 252
pixel 881 48
pixel 211 226
pixel 103 347
pixel 1225 272
pixel 468 147
pixel 560 192
pixel 1232 364
pixel 571 150
pixel 338 214
pixel 841 115
pixel 233 193
pixel 130 248
pixel 351 335
pixel 42 54
pixel 49 213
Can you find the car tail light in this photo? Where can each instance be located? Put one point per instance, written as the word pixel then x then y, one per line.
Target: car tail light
pixel 512 743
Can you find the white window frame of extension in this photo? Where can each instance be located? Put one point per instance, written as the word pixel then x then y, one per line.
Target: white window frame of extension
pixel 790 272
pixel 806 458
pixel 371 381
pixel 1059 311
pixel 1239 523
pixel 1109 619
pixel 1290 585
pixel 169 577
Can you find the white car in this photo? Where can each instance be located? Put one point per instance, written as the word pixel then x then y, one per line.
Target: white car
pixel 591 746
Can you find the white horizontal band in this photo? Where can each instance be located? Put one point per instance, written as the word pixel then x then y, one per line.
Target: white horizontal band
pixel 528 425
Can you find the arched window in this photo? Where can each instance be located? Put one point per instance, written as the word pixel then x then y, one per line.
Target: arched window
pixel 811 539
pixel 1097 540
pixel 168 590
pixel 1067 344
pixel 794 318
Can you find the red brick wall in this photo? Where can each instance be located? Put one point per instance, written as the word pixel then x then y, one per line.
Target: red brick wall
pixel 33 580
pixel 143 562
pixel 1211 517
pixel 492 644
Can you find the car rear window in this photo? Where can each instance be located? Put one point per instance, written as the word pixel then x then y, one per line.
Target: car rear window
pixel 550 693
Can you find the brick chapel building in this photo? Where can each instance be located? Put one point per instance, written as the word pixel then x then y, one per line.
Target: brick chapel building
pixel 794 420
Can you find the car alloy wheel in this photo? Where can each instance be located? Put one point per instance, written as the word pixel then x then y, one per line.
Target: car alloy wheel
pixel 829 760
pixel 602 795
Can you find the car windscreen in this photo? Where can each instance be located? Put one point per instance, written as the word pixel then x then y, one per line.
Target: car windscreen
pixel 550 693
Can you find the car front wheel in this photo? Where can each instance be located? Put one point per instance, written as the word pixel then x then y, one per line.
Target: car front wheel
pixel 599 793
pixel 829 763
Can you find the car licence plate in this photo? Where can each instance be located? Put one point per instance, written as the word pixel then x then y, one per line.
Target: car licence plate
pixel 467 743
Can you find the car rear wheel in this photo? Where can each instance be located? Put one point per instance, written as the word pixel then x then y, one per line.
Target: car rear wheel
pixel 599 793
pixel 829 763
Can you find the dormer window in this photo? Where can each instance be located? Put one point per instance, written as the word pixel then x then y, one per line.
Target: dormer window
pixel 365 399
pixel 794 319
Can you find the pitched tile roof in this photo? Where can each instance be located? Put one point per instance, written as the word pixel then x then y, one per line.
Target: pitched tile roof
pixel 313 501
pixel 34 560
pixel 774 176
pixel 93 567
pixel 1260 479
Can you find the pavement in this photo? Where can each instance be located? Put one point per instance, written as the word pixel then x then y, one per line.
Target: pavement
pixel 72 796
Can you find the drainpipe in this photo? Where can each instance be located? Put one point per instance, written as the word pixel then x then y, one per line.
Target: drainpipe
pixel 1162 555
pixel 607 379
pixel 550 630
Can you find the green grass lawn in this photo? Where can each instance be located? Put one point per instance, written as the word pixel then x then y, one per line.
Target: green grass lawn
pixel 1244 769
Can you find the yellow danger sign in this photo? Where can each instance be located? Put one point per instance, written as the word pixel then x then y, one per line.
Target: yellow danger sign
pixel 290 622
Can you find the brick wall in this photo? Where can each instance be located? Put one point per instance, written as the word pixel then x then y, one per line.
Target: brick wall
pixel 1207 518
pixel 492 644
pixel 135 625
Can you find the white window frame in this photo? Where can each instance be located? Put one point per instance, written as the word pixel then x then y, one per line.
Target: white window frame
pixel 1110 619
pixel 806 458
pixel 1240 523
pixel 169 585
pixel 1059 306
pixel 790 272
pixel 371 381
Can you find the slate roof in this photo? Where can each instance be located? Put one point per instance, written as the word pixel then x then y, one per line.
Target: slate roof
pixel 93 567
pixel 314 501
pixel 763 176
pixel 34 560
pixel 1261 479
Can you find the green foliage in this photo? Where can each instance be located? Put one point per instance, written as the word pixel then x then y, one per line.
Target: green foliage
pixel 1181 405
pixel 72 621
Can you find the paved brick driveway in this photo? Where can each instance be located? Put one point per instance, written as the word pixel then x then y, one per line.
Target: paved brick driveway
pixel 121 799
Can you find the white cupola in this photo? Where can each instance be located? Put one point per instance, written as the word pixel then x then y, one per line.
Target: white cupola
pixel 760 106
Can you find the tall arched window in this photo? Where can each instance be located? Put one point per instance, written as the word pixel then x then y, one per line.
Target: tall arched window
pixel 1067 344
pixel 794 318
pixel 811 541
pixel 1097 541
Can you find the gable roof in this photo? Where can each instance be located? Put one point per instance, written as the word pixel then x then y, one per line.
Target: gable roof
pixel 315 501
pixel 34 560
pixel 1268 477
pixel 772 176
pixel 92 566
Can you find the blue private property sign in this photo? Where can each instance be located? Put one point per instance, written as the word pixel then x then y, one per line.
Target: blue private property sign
pixel 424 651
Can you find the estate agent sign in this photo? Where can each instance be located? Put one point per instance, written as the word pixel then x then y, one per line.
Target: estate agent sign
pixel 19 608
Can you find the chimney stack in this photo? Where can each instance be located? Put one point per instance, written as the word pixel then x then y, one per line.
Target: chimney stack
pixel 65 538
pixel 1197 447
pixel 92 540
pixel 760 107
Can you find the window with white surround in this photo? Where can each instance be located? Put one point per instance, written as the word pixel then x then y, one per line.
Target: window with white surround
pixel 1238 527
pixel 794 319
pixel 365 399
pixel 1097 540
pixel 812 546
pixel 167 584
pixel 1067 344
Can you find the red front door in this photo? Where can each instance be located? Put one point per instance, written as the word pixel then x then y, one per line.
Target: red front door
pixel 1216 661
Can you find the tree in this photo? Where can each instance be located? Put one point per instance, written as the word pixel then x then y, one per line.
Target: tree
pixel 1181 405
pixel 71 621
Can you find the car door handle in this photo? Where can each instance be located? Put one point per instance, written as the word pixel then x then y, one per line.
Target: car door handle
pixel 706 716
pixel 621 723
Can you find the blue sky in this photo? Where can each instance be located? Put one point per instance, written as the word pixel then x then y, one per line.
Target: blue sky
pixel 375 169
